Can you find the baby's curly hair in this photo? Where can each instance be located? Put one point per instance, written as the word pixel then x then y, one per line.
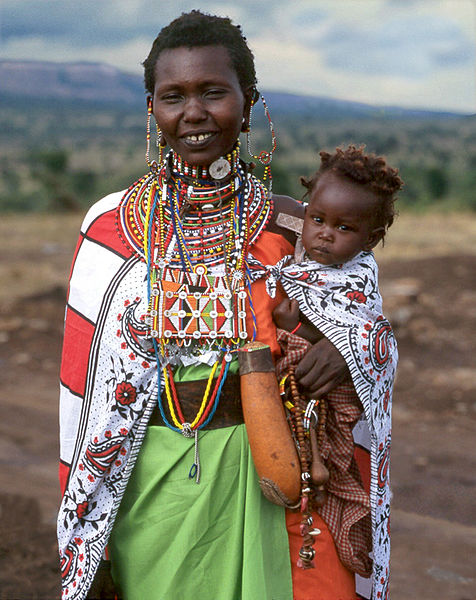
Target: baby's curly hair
pixel 370 170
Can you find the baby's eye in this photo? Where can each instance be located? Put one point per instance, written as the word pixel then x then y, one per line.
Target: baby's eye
pixel 345 228
pixel 317 219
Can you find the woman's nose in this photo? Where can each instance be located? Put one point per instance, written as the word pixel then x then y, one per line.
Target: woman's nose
pixel 194 110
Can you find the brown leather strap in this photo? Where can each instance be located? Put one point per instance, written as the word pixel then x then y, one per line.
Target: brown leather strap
pixel 190 394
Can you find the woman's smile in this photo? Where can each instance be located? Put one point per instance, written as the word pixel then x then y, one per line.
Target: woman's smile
pixel 196 139
pixel 200 137
pixel 198 102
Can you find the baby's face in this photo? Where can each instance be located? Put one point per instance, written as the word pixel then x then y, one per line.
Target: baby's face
pixel 339 220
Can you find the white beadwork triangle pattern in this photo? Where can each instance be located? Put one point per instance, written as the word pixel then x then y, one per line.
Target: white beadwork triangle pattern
pixel 192 305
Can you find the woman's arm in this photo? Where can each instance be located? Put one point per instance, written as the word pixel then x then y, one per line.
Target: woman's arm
pixel 103 587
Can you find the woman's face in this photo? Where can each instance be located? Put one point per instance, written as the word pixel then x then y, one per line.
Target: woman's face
pixel 198 102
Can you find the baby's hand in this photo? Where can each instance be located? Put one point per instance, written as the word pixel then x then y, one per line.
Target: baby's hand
pixel 286 314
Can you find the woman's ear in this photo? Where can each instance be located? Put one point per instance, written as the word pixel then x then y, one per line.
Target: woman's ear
pixel 375 236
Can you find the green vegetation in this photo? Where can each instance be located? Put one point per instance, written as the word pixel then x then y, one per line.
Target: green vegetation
pixel 60 156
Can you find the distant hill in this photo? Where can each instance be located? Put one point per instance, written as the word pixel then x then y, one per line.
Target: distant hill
pixel 69 81
pixel 37 81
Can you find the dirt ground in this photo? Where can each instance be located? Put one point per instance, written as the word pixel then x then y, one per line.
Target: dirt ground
pixel 431 301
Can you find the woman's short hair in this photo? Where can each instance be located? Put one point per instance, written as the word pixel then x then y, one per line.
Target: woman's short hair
pixel 199 29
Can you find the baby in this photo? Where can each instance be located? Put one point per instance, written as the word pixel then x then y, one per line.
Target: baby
pixel 332 288
pixel 350 208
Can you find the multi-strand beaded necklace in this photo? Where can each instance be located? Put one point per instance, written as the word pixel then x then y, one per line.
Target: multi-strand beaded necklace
pixel 174 188
pixel 193 227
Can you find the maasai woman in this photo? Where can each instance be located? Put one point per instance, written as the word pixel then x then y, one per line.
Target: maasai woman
pixel 161 497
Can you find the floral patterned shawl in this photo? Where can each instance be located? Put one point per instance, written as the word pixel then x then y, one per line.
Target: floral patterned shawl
pixel 344 303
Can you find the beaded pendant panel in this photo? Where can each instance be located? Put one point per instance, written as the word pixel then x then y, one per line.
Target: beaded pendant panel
pixel 197 306
pixel 193 227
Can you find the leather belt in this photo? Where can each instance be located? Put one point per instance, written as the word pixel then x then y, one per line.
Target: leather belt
pixel 190 395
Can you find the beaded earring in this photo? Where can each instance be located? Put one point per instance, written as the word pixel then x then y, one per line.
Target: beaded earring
pixel 265 156
pixel 160 143
pixel 160 140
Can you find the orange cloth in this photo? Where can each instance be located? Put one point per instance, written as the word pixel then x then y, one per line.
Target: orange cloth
pixel 330 580
pixel 269 249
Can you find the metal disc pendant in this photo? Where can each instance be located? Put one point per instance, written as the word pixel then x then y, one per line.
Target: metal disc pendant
pixel 219 168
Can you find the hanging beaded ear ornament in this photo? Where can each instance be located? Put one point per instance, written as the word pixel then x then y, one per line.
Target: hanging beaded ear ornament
pixel 265 156
pixel 153 165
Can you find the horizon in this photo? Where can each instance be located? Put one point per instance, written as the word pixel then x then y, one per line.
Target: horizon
pixel 416 109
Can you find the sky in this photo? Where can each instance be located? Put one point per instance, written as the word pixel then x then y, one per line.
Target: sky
pixel 409 53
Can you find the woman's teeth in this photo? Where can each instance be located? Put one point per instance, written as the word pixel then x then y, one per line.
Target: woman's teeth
pixel 201 137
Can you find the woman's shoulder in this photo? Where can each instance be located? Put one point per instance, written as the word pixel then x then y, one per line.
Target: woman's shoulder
pixel 286 218
pixel 101 207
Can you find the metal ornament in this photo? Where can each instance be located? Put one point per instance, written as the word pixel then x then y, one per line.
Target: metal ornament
pixel 219 168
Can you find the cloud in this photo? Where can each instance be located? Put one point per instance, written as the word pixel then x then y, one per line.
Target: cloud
pixel 88 22
pixel 385 51
pixel 404 46
pixel 434 73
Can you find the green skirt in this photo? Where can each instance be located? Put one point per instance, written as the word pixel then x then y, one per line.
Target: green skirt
pixel 220 539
